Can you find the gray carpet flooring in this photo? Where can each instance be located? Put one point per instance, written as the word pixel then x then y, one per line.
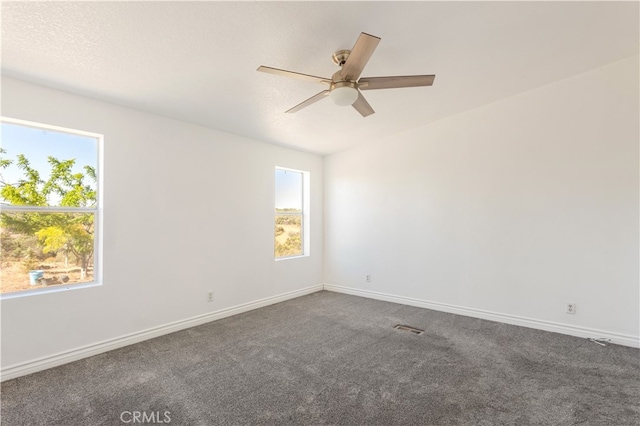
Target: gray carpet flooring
pixel 330 358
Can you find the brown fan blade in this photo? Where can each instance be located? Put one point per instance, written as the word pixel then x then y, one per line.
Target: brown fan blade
pixel 371 83
pixel 359 56
pixel 297 75
pixel 311 100
pixel 362 106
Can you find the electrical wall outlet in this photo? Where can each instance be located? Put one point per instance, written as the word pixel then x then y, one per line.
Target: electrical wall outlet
pixel 571 308
pixel 368 278
pixel 210 296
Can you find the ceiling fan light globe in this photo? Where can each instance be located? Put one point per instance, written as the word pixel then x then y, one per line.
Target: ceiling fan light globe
pixel 344 96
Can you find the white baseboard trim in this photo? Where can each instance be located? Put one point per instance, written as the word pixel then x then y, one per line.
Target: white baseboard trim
pixel 33 366
pixel 617 338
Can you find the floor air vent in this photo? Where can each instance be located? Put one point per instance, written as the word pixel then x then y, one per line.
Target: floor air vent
pixel 409 329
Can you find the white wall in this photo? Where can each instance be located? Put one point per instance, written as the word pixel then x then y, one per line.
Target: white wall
pixel 186 209
pixel 514 208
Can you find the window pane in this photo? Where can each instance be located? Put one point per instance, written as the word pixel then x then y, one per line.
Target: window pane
pixel 288 191
pixel 41 167
pixel 45 249
pixel 288 235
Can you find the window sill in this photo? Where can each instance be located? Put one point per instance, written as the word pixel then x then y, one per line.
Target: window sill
pixel 26 293
pixel 280 259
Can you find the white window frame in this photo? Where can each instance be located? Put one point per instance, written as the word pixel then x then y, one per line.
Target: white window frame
pixel 306 217
pixel 97 210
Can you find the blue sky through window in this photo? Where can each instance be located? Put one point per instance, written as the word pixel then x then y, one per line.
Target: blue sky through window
pixel 288 189
pixel 37 144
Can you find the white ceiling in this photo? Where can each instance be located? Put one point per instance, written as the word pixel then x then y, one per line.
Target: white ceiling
pixel 196 61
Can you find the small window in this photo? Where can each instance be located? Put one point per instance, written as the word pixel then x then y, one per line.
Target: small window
pixel 291 220
pixel 49 211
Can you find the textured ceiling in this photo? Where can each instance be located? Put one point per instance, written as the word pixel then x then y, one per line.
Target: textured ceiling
pixel 196 61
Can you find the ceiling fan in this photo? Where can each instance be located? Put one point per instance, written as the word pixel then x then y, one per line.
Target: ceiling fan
pixel 345 85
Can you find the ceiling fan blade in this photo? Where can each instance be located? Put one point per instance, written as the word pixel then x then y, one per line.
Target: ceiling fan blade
pixel 362 106
pixel 359 56
pixel 311 100
pixel 371 83
pixel 297 75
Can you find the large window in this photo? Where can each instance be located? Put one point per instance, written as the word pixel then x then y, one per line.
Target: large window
pixel 49 211
pixel 291 219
